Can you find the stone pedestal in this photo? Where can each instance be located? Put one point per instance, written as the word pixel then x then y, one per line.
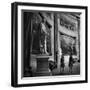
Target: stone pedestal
pixel 42 67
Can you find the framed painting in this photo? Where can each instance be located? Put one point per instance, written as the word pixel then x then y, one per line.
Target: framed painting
pixel 49 44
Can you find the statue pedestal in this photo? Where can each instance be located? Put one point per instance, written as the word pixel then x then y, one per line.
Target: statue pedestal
pixel 42 66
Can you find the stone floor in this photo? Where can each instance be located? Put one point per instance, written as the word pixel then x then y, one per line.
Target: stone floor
pixel 75 70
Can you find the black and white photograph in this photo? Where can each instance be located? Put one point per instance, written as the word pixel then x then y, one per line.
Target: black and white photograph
pixel 40 30
pixel 49 44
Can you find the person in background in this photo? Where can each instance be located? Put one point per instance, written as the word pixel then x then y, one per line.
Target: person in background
pixel 62 64
pixel 70 63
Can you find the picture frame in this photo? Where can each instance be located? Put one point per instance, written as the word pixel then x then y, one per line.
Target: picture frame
pixel 44 38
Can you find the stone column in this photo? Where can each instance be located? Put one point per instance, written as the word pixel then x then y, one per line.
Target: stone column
pixel 77 40
pixel 52 36
pixel 59 44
